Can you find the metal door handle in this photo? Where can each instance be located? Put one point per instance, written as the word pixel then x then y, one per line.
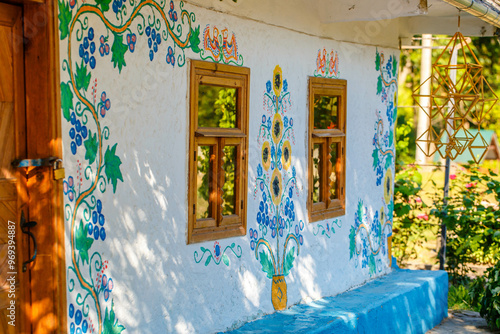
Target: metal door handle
pixel 24 227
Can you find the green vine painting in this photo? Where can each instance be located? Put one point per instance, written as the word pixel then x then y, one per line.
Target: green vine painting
pixel 107 31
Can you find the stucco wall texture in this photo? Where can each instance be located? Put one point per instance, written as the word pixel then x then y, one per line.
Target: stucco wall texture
pixel 140 275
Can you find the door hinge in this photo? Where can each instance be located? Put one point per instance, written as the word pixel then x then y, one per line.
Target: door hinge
pixel 241 204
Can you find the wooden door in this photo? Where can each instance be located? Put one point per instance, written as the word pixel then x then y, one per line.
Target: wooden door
pixel 30 129
pixel 13 196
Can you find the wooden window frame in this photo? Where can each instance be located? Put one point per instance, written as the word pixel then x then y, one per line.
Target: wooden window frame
pixel 328 208
pixel 221 226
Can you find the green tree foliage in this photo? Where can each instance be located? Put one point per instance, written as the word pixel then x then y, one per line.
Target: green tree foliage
pixel 472 219
pixel 410 221
pixel 485 291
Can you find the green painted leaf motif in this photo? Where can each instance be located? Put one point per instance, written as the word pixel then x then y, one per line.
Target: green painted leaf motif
pixel 66 100
pixel 391 138
pixel 65 16
pixel 91 147
pixel 394 66
pixel 371 264
pixel 194 40
pixel 360 210
pixel 388 161
pixel 104 4
pixel 110 324
pixel 377 61
pixel 375 158
pixel 288 265
pixel 83 242
pixel 207 262
pixel 203 249
pixel 118 52
pixel 112 167
pixel 267 265
pixel 352 242
pixel 379 85
pixel 225 259
pixel 82 78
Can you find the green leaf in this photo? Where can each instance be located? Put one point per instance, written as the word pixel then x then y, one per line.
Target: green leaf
pixel 287 266
pixel 203 249
pixel 388 161
pixel 104 4
pixel 375 158
pixel 65 16
pixel 394 66
pixel 267 265
pixel 118 52
pixel 194 39
pixel 83 242
pixel 112 166
pixel 82 78
pixel 225 259
pixel 372 265
pixel 66 100
pixel 91 147
pixel 379 85
pixel 352 242
pixel 110 324
pixel 208 260
pixel 377 61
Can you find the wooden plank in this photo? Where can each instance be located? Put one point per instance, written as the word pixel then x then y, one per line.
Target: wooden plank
pixel 48 279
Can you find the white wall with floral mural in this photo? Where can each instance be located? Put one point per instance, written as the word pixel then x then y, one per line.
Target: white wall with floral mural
pixel 125 106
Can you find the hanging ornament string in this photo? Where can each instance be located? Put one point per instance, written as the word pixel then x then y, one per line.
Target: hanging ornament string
pixel 460 98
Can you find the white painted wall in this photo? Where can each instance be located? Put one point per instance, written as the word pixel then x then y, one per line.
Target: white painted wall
pixel 157 285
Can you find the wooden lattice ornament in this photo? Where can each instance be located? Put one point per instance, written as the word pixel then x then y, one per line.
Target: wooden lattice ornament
pixel 459 96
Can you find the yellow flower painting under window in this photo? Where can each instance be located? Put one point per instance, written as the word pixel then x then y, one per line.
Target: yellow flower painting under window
pixel 277 129
pixel 276 186
pixel 286 155
pixel 266 156
pixel 388 186
pixel 277 80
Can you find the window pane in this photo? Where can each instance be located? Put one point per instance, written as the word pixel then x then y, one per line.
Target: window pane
pixel 229 166
pixel 326 112
pixel 217 107
pixel 317 171
pixel 334 155
pixel 205 161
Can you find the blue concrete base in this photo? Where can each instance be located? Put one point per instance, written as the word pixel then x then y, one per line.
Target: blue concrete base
pixel 404 301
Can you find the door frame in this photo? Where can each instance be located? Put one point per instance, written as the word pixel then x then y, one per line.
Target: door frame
pixel 43 127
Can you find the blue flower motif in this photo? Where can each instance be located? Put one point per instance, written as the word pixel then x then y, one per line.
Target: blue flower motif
pixel 285 122
pixel 273 152
pixel 380 173
pixel 264 119
pixel 390 112
pixel 290 192
pixel 294 173
pixel 259 170
pixel 285 85
pixel 264 197
pixel 268 86
pixel 279 153
pixel 269 124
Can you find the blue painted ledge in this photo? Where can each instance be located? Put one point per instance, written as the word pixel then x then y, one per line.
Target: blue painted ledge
pixel 403 301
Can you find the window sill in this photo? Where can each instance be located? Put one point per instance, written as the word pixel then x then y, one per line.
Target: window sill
pixel 326 214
